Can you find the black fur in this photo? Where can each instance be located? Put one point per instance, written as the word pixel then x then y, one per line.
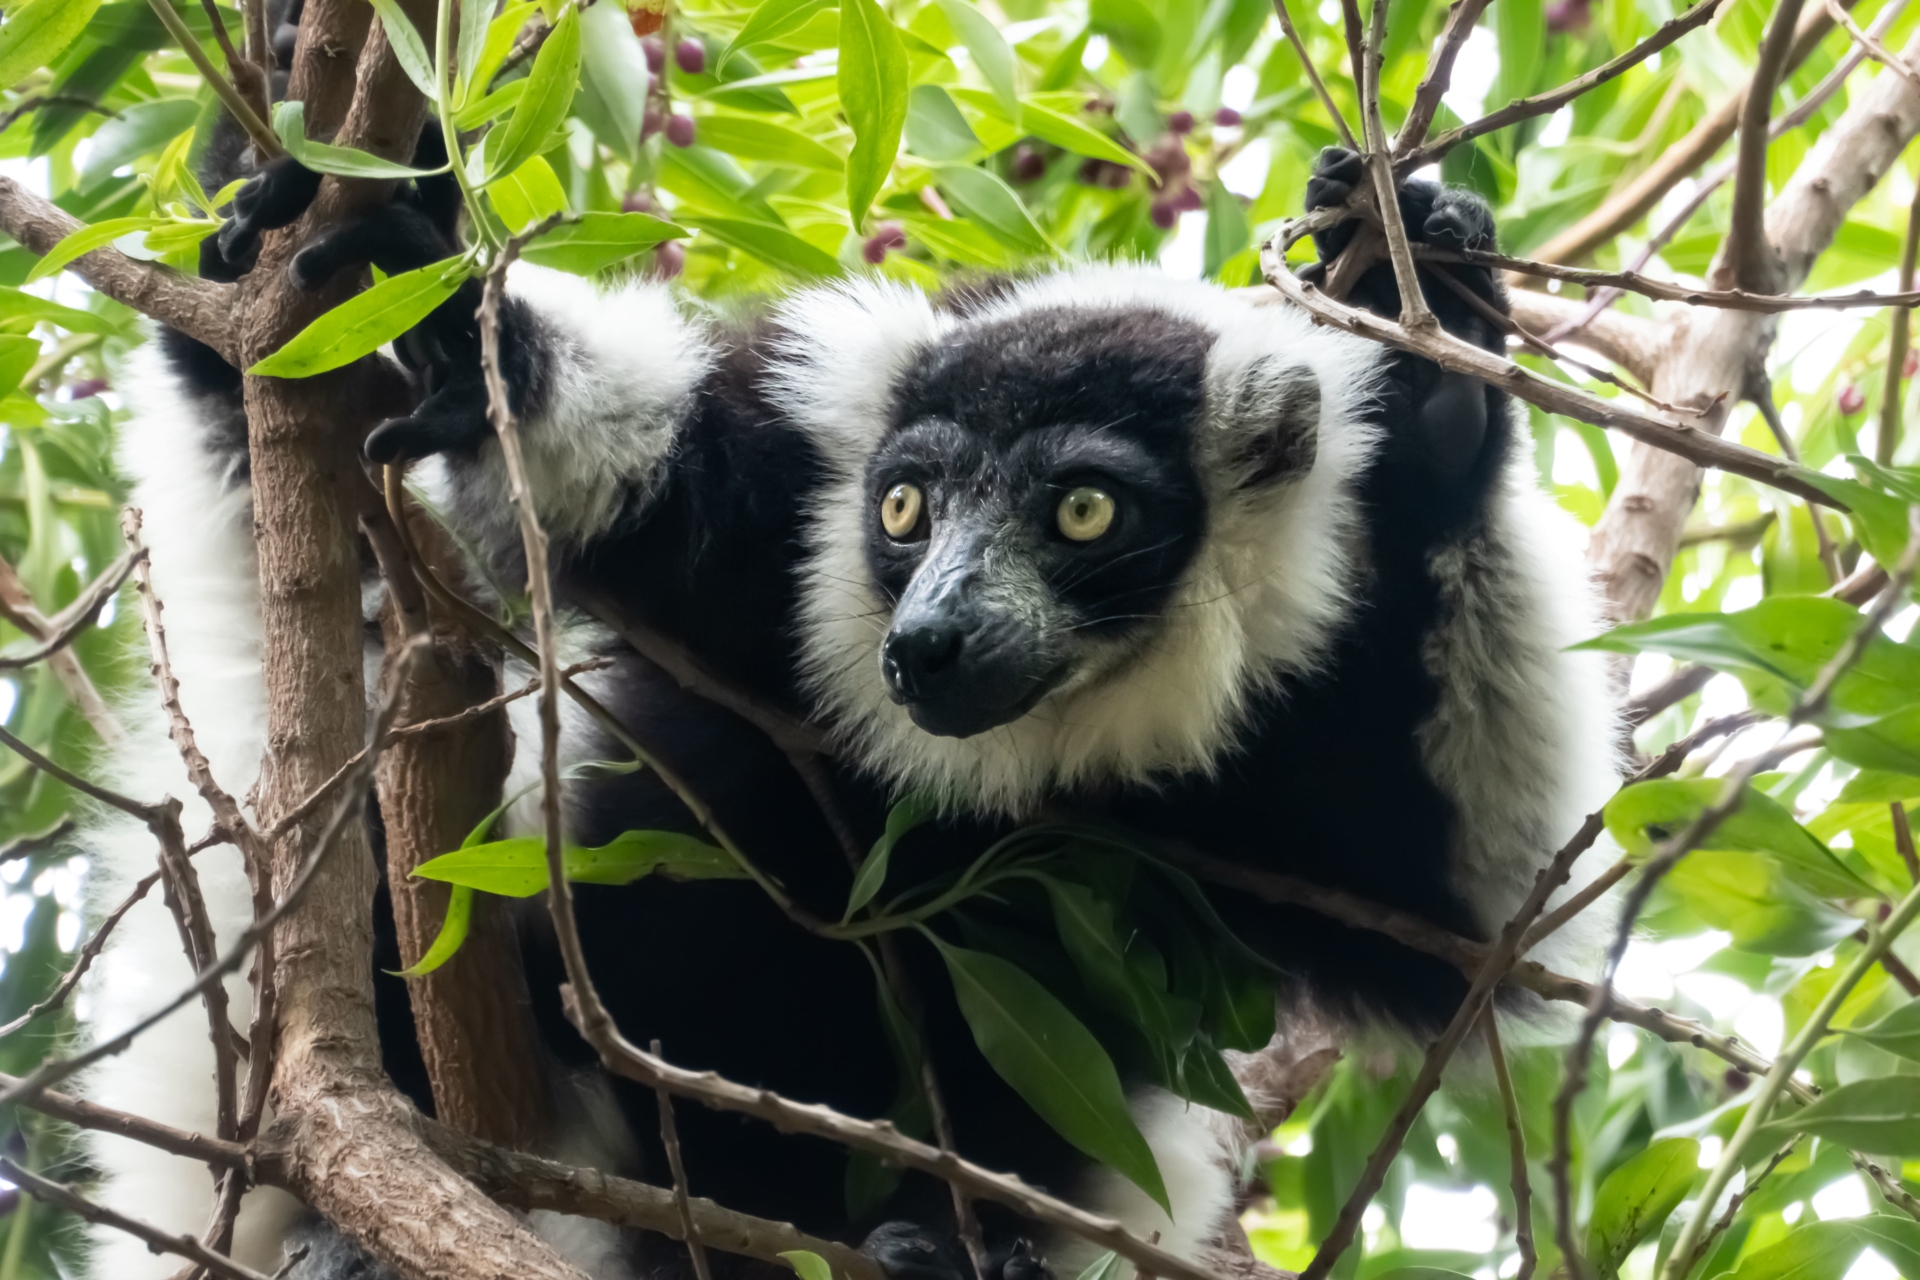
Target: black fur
pixel 713 969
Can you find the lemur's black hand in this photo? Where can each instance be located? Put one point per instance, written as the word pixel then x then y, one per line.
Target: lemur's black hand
pixel 1447 217
pixel 1436 417
pixel 909 1251
pixel 271 199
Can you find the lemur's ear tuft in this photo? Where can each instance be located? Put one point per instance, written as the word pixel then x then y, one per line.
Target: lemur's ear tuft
pixel 1274 418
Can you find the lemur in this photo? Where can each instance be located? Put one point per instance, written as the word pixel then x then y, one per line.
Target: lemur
pixel 1155 551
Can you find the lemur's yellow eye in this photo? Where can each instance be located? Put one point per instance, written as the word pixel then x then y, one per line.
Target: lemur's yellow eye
pixel 900 510
pixel 1085 514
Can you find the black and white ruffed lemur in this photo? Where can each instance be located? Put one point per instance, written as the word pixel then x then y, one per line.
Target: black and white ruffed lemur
pixel 1160 551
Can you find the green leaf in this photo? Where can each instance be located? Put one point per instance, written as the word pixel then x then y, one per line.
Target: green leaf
pixel 1749 896
pixel 1130 25
pixel 526 195
pixel 1206 1079
pixel 770 243
pixel 935 128
pixel 1088 931
pixel 1227 229
pixel 770 21
pixel 290 123
pixel 1640 817
pixel 809 1266
pixel 493 106
pixel 366 321
pixel 1064 131
pixel 36 32
pixel 988 49
pixel 595 241
pixel 1897 1033
pixel 501 34
pixel 873 81
pixel 1881 521
pixel 1879 1116
pixel 614 67
pixel 452 935
pixel 517 867
pixel 16 304
pixel 17 356
pixel 135 132
pixel 1828 1250
pixel 992 204
pixel 1105 1267
pixel 1521 29
pixel 1637 1197
pixel 754 138
pixel 909 813
pixel 1051 1060
pixel 471 41
pixel 409 50
pixel 549 92
pixel 84 240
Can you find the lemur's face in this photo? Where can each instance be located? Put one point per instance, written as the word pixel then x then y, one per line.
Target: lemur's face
pixel 1033 507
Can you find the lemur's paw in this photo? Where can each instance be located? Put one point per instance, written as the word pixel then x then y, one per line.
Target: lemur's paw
pixel 452 418
pixel 909 1251
pixel 394 237
pixel 1021 1262
pixel 1333 178
pixel 271 199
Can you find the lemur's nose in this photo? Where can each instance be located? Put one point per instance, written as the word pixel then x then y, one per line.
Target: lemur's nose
pixel 917 659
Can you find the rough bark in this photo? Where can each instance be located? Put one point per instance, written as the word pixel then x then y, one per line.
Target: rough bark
pixel 356 1156
pixel 1712 353
pixel 472 1015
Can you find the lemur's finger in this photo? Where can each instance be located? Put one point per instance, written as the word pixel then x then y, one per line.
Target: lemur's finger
pixel 394 237
pixel 908 1251
pixel 452 418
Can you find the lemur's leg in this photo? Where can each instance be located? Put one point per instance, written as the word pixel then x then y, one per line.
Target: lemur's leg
pixel 1452 422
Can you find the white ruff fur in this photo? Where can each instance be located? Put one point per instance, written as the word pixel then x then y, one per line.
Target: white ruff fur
pixel 1260 601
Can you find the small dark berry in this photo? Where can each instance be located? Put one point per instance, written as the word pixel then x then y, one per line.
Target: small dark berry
pixel 656 51
pixel 650 122
pixel 1090 172
pixel 1189 199
pixel 1164 214
pixel 1180 122
pixel 690 56
pixel 89 387
pixel 1852 399
pixel 1568 15
pixel 1114 177
pixel 1226 117
pixel 1170 160
pixel 874 250
pixel 1028 164
pixel 680 131
pixel 637 202
pixel 670 259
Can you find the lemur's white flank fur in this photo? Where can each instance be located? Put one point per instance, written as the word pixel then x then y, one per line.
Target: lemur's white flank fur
pixel 1520 741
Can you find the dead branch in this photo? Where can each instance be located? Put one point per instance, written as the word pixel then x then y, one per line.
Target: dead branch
pixel 1684 439
pixel 670 1137
pixel 73 1202
pixel 66 626
pixel 1516 1147
pixel 1406 161
pixel 1633 282
pixel 1637 197
pixel 1313 74
pixel 17 607
pixel 1461 17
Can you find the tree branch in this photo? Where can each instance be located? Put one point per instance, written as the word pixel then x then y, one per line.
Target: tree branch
pixel 17 607
pixel 1746 258
pixel 1313 75
pixel 1461 17
pixel 73 1202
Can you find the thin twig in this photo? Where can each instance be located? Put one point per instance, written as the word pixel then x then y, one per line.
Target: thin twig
pixel 1760 392
pixel 1739 1198
pixel 17 607
pixel 1663 291
pixel 263 138
pixel 1415 315
pixel 26 846
pixel 52 100
pixel 1900 326
pixel 88 954
pixel 124 1124
pixel 1461 17
pixel 1516 1147
pixel 1313 75
pixel 1684 439
pixel 1903 840
pixel 670 1137
pixel 66 626
pixel 1546 103
pixel 73 1202
pixel 1873 48
pixel 1747 259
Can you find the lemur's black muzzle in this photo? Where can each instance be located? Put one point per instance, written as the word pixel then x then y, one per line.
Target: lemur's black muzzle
pixel 959 662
